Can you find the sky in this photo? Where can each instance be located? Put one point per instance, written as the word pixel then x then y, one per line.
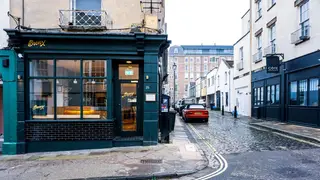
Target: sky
pixel 207 22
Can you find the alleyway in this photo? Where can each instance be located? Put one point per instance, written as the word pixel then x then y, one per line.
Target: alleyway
pixel 254 153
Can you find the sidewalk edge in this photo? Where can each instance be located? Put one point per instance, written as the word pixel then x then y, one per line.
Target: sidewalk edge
pixel 296 135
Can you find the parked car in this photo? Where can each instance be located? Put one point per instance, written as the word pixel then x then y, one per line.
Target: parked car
pixel 203 102
pixel 183 104
pixel 195 112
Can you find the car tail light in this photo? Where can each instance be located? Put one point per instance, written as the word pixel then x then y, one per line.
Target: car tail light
pixel 189 112
pixel 206 112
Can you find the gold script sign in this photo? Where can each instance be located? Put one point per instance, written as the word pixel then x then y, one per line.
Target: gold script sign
pixel 32 43
pixel 35 107
pixel 126 94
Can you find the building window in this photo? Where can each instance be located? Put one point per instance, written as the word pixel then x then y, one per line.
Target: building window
pixel 272 31
pixel 261 94
pixel 191 68
pixel 273 92
pixel 186 67
pixel 205 60
pixel 186 87
pixel 272 2
pixel 241 53
pixel 198 59
pixel 186 60
pixel 293 93
pixel 208 82
pixel 225 77
pixel 218 81
pixel 86 5
pixel 77 95
pixel 268 94
pixel 259 47
pixel 186 75
pixel 259 9
pixel 212 80
pixel 191 75
pixel 176 51
pixel 213 59
pixel 258 96
pixel 303 92
pixel 277 94
pixel 205 67
pixel 175 60
pixel 191 60
pixel 313 92
pixel 255 96
pixel 304 18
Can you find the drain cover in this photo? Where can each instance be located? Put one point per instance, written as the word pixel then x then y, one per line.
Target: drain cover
pixel 151 161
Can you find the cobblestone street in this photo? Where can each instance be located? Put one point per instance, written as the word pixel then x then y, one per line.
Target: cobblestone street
pixel 252 152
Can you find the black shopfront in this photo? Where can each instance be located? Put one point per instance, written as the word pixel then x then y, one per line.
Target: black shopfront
pixel 292 95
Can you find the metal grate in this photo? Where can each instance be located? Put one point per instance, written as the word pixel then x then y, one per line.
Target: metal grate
pixel 272 49
pixel 240 65
pixel 85 19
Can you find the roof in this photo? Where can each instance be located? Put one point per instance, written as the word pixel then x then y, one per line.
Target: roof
pixel 207 47
pixel 229 63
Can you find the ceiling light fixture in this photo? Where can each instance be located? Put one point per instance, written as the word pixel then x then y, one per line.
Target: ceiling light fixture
pixel 129 62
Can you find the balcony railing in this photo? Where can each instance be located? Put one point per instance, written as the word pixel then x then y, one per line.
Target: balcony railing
pixel 258 56
pixel 300 35
pixel 240 65
pixel 85 20
pixel 272 49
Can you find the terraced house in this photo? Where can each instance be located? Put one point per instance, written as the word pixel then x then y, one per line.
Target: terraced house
pixel 82 74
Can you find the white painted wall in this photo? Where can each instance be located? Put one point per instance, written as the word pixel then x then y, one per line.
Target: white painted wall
pixel 4 22
pixel 211 89
pixel 225 85
pixel 288 19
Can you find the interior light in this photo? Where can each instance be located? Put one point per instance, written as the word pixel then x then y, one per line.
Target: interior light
pixel 75 81
pixel 134 81
pixel 93 82
pixel 129 62
pixel 57 81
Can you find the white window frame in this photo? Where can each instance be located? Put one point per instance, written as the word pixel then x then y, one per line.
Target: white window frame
pixel 304 18
pixel 259 9
pixel 272 35
pixel 241 53
pixel 186 75
pixel 186 60
pixel 186 68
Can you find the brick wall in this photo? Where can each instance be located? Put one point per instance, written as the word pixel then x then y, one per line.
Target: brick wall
pixel 68 131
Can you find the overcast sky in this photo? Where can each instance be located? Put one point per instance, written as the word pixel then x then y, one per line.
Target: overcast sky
pixel 192 22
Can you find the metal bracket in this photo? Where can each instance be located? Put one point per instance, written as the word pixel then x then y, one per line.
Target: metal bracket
pixel 277 54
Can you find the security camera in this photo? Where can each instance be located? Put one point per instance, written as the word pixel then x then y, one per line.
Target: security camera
pixel 20 56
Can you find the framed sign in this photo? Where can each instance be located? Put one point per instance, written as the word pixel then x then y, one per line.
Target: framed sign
pixel 151 97
pixel 273 64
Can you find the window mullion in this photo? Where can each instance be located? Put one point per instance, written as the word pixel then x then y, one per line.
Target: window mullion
pixel 55 88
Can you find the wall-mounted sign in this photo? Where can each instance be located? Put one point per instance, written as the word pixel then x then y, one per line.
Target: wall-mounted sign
pixel 32 43
pixel 150 97
pixel 273 64
pixel 128 72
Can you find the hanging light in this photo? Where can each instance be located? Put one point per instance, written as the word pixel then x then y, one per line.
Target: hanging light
pixel 93 82
pixel 57 81
pixel 75 81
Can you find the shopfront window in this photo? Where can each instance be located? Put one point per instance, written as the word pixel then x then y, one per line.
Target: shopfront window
pixel 66 93
pixel 268 95
pixel 277 94
pixel 314 92
pixel 303 92
pixel 261 93
pixel 293 93
pixel 272 94
pixel 128 71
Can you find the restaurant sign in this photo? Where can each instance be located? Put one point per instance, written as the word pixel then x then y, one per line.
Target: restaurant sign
pixel 273 64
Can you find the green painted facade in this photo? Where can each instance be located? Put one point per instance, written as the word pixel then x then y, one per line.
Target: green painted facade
pixel 137 47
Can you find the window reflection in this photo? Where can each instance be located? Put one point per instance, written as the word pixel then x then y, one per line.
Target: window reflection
pixel 41 68
pixel 68 68
pixel 94 99
pixel 303 92
pixel 68 98
pixel 41 99
pixel 95 68
pixel 313 94
pixel 293 93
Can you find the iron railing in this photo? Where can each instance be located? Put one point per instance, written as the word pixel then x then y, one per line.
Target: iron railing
pixel 85 20
pixel 240 65
pixel 300 35
pixel 258 56
pixel 272 49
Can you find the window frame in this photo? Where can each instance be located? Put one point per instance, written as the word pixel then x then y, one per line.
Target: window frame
pixel 81 78
pixel 259 9
pixel 304 23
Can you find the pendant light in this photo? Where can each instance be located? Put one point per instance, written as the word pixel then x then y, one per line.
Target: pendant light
pixel 93 81
pixel 75 80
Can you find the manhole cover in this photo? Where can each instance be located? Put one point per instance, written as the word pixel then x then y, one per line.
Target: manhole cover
pixel 151 161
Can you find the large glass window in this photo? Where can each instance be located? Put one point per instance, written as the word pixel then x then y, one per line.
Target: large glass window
pixel 258 96
pixel 303 92
pixel 293 93
pixel 268 95
pixel 59 90
pixel 277 94
pixel 261 93
pixel 129 71
pixel 42 99
pixel 272 94
pixel 314 92
pixel 255 96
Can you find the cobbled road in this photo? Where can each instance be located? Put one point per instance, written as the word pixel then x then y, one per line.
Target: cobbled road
pixel 254 153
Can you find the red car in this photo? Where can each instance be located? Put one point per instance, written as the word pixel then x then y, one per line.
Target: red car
pixel 195 111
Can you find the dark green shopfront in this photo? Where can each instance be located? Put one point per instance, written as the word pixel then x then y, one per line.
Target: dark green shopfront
pixel 68 90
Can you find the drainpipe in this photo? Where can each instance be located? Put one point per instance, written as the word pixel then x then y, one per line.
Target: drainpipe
pixel 22 8
pixel 250 67
pixel 229 99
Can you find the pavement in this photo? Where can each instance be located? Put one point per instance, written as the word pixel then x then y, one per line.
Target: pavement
pixel 304 132
pixel 180 157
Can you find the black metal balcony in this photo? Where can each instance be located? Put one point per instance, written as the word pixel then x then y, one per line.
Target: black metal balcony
pixel 240 65
pixel 93 20
pixel 258 56
pixel 300 35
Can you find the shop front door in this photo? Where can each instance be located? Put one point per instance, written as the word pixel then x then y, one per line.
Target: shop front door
pixel 128 96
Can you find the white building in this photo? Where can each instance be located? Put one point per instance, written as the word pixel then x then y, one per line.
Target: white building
pixel 224 85
pixel 241 76
pixel 211 88
pixel 4 22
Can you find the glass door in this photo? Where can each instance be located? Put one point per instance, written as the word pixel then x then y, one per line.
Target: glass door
pixel 128 106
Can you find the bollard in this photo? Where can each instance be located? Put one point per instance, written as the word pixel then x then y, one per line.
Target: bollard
pixel 222 111
pixel 235 112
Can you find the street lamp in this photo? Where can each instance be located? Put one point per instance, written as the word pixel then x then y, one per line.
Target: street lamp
pixel 174 82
